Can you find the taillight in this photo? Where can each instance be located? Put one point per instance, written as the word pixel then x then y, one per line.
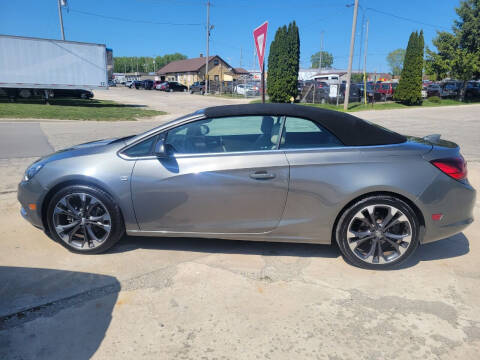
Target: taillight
pixel 453 167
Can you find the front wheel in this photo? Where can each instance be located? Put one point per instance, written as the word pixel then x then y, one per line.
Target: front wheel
pixel 84 219
pixel 378 232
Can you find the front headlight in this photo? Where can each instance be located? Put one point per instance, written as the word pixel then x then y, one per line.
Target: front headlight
pixel 32 170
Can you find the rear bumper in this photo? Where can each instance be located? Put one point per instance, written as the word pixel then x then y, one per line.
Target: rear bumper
pixel 453 199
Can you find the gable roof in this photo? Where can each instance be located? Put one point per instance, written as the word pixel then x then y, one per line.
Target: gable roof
pixel 184 65
pixel 240 71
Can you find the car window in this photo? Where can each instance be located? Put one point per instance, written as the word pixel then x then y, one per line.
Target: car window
pixel 144 148
pixel 227 134
pixel 302 133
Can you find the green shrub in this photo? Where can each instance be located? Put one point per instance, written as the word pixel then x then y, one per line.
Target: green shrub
pixel 435 99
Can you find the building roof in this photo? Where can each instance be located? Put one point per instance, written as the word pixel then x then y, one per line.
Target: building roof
pixel 241 71
pixel 349 129
pixel 194 64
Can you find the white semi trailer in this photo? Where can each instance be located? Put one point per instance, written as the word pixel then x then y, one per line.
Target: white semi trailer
pixel 38 67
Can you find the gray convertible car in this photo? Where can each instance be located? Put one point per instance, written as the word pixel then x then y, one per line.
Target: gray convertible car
pixel 269 172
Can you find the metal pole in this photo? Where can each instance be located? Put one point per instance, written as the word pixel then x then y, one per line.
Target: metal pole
pixel 350 58
pixel 208 43
pixel 321 52
pixel 61 19
pixel 361 39
pixel 263 82
pixel 365 66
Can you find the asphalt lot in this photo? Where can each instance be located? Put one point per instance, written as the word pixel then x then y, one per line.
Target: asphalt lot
pixel 216 299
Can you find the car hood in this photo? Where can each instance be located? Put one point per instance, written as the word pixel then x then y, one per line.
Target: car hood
pixel 89 148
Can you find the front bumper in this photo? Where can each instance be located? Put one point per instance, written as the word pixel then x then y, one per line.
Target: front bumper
pixel 31 192
pixel 453 199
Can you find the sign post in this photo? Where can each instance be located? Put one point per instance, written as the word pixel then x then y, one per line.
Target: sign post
pixel 260 38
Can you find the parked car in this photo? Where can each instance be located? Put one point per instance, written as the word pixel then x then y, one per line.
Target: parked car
pixel 146 84
pixel 72 93
pixel 473 90
pixel 197 87
pixel 172 86
pixel 112 83
pixel 137 84
pixel 384 91
pixel 370 91
pixel 128 83
pixel 270 172
pixel 451 88
pixel 156 83
pixel 434 90
pixel 424 91
pixel 244 89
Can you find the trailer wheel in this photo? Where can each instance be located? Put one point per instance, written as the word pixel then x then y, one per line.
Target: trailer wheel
pixel 25 93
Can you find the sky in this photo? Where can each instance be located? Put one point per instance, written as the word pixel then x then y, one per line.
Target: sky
pixel 158 27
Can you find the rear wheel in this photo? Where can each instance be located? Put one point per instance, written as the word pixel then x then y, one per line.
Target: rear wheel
pixel 84 219
pixel 378 232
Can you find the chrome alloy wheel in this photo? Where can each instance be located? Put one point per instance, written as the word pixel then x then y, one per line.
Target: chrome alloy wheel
pixel 82 221
pixel 379 234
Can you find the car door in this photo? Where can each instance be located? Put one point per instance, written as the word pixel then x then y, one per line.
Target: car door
pixel 319 169
pixel 225 175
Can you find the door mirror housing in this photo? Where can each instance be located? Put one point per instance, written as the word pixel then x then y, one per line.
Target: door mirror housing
pixel 162 149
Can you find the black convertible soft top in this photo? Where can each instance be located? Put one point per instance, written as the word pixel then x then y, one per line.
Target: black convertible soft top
pixel 349 129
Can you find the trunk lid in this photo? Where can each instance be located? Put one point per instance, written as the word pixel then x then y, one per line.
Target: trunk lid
pixel 441 148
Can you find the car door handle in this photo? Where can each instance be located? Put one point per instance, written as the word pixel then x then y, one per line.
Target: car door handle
pixel 262 175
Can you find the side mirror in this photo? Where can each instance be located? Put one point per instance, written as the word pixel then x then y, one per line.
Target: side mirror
pixel 162 149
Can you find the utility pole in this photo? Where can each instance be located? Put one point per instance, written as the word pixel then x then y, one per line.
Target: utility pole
pixel 361 37
pixel 365 67
pixel 321 52
pixel 350 58
pixel 208 44
pixel 61 19
pixel 240 57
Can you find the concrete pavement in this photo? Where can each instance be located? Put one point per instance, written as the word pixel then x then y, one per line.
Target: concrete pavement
pixel 174 298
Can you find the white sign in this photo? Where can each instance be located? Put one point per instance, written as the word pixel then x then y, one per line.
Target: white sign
pixel 333 90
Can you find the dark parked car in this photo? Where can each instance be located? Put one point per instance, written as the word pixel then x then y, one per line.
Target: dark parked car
pixel 72 93
pixel 172 86
pixel 267 172
pixel 145 84
pixel 473 90
pixel 434 90
pixel 451 88
pixel 198 86
pixel 137 84
pixel 112 83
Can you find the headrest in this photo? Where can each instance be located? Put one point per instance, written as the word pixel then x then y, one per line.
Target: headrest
pixel 267 123
pixel 276 133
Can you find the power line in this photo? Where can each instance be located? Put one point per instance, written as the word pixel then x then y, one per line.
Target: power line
pixel 407 19
pixel 133 20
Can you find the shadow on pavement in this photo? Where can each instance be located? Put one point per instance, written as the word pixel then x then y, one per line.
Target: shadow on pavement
pixel 53 314
pixel 454 246
pixel 129 243
pixel 451 247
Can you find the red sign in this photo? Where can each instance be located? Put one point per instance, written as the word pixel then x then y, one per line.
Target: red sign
pixel 260 37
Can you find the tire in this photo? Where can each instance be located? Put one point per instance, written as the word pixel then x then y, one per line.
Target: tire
pixel 100 238
pixel 25 93
pixel 406 231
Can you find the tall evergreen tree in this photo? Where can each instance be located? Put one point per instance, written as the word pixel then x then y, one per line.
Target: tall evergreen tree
pixel 283 64
pixel 410 86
